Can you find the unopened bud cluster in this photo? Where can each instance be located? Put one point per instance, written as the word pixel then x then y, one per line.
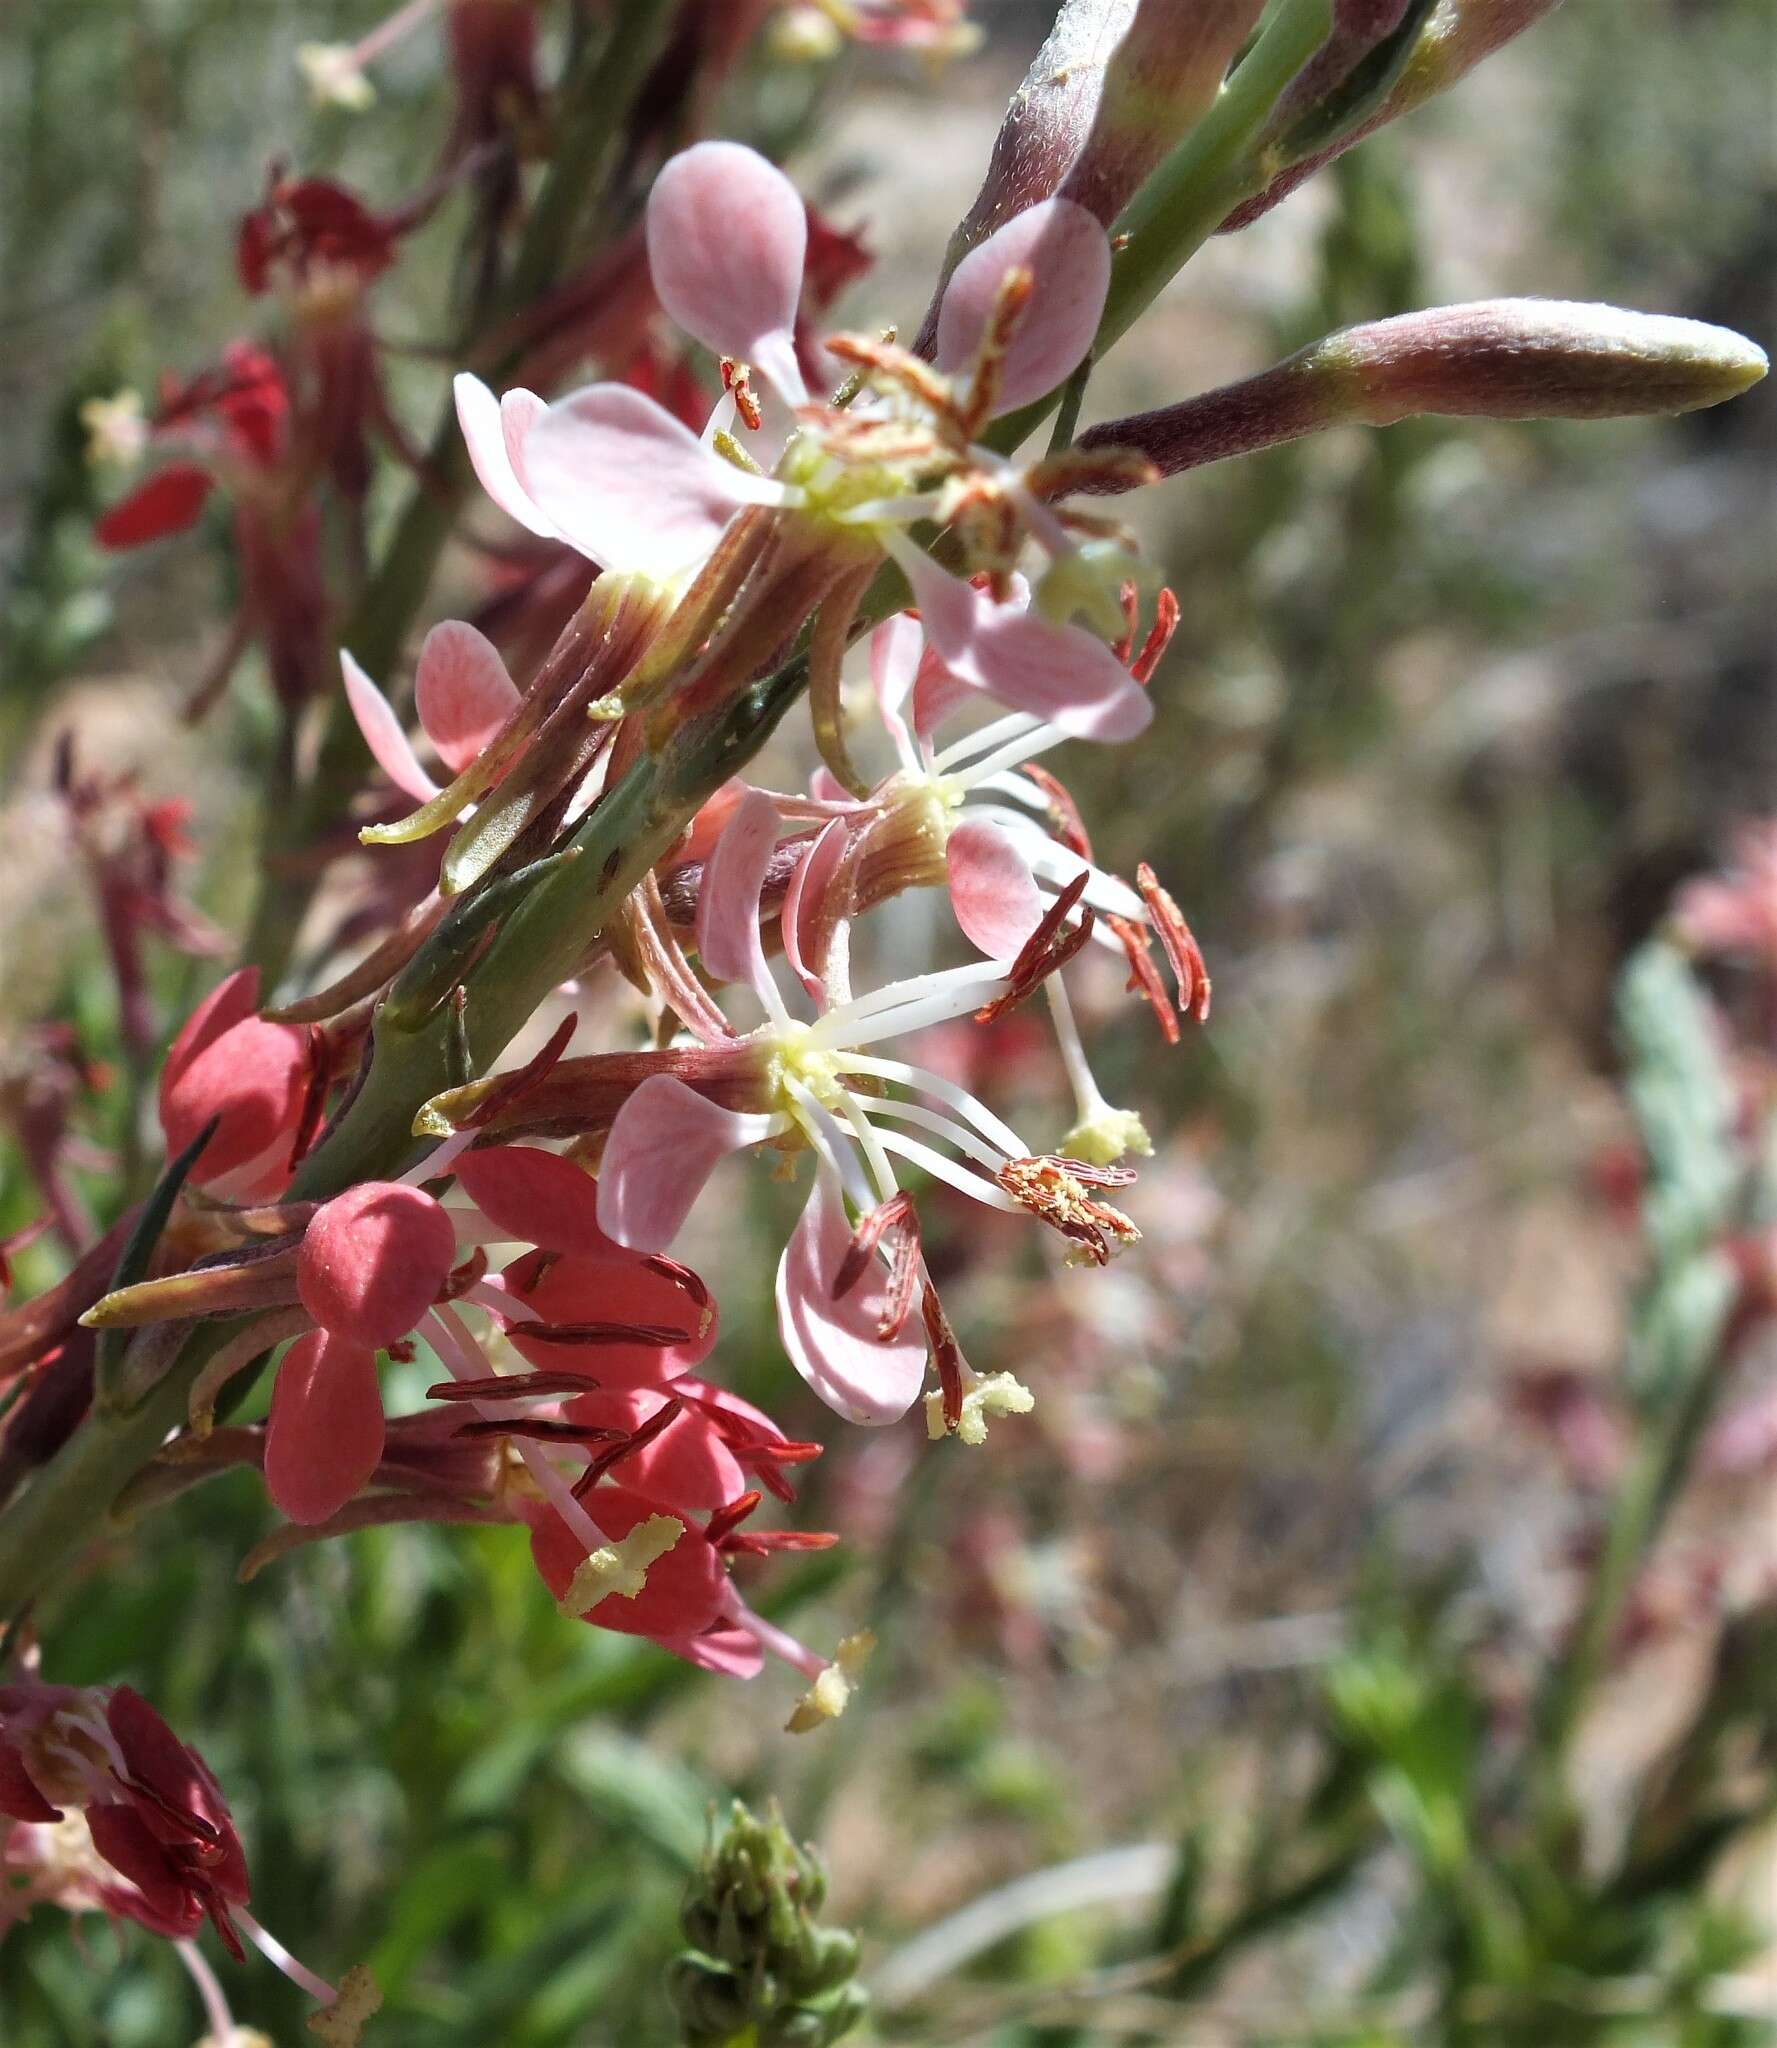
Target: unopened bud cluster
pixel 761 1967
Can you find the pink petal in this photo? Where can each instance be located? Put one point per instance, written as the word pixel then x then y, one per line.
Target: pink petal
pixel 1066 251
pixel 462 691
pixel 683 1592
pixel 620 1287
pixel 726 1651
pixel 479 414
pixel 804 898
pixel 728 898
pixel 253 1077
pixel 374 1259
pixel 389 746
pixel 727 234
pixel 687 1465
pixel 833 1344
pixel 664 1145
pixel 536 1197
pixel 1058 673
pixel 992 889
pixel 324 1436
pixel 233 999
pixel 630 486
pixel 895 649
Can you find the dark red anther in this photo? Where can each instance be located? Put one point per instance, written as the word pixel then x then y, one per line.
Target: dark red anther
pixel 1181 949
pixel 1143 974
pixel 725 1520
pixel 512 1386
pixel 597 1335
pixel 513 1086
pixel 737 382
pixel 1050 947
pixel 894 1219
pixel 947 1354
pixel 632 1441
pixel 1166 617
pixel 1064 814
pixel 538 1428
pixel 314 1094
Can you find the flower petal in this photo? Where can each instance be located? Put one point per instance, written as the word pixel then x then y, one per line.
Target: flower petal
pixel 389 746
pixel 687 1465
pixel 252 1076
pixel 682 1594
pixel 801 913
pixel 373 1260
pixel 480 415
pixel 895 650
pixel 1069 256
pixel 233 998
pixel 728 941
pixel 664 1144
pixel 536 1197
pixel 832 1343
pixel 621 1287
pixel 630 486
pixel 167 503
pixel 992 889
pixel 727 235
pixel 462 691
pixel 324 1436
pixel 1058 673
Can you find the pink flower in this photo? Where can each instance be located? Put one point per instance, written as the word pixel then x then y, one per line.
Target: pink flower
pixel 228 1062
pixel 845 1289
pixel 614 475
pixel 462 693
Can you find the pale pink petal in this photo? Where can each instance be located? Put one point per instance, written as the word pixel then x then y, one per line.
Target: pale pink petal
pixel 1058 673
pixel 992 889
pixel 728 1652
pixel 630 486
pixel 809 884
pixel 728 896
pixel 664 1144
pixel 389 745
pixel 1067 253
pixel 479 414
pixel 727 233
pixel 895 649
pixel 832 1343
pixel 462 691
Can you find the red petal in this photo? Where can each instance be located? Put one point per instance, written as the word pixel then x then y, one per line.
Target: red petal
pixel 324 1437
pixel 167 503
pixel 683 1594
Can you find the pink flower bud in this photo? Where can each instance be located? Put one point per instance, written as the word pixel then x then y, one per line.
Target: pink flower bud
pixel 374 1260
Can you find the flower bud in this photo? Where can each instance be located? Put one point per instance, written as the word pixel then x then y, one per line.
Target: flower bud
pixel 1532 359
pixel 1495 359
pixel 760 1961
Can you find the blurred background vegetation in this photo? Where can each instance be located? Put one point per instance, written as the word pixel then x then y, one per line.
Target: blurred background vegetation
pixel 1212 1678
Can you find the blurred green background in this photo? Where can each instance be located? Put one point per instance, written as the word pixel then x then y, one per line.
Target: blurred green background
pixel 1450 713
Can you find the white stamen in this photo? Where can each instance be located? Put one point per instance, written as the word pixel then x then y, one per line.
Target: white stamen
pixel 941 1126
pixel 974 1185
pixel 928 1083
